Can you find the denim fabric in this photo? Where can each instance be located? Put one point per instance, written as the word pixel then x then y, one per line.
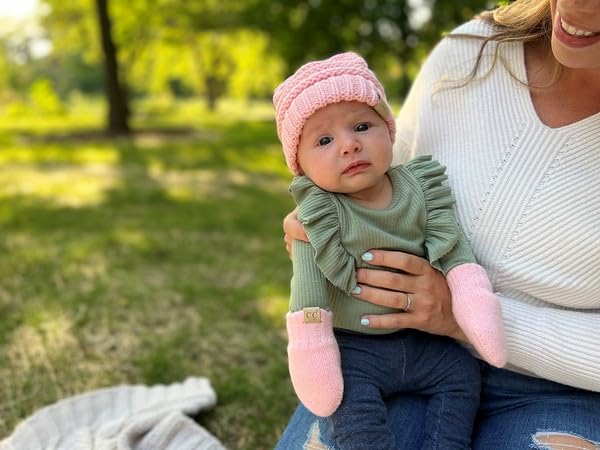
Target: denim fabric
pixel 377 367
pixel 516 411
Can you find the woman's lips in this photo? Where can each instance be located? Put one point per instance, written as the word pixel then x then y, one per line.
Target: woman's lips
pixel 356 167
pixel 571 40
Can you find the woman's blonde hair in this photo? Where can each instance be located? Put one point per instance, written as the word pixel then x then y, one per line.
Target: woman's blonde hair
pixel 522 20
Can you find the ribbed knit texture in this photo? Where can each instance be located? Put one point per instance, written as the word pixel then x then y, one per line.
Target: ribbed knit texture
pixel 343 77
pixel 419 220
pixel 121 418
pixel 314 363
pixel 477 312
pixel 526 198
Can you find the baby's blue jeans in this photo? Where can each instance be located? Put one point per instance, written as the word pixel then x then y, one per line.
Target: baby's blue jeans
pixel 516 412
pixel 434 368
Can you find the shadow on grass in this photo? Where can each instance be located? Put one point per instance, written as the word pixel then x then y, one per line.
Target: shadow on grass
pixel 179 270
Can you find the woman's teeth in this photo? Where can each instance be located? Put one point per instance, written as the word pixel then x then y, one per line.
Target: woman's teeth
pixel 575 32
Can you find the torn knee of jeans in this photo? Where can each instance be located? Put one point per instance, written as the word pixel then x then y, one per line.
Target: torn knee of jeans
pixel 546 440
pixel 314 441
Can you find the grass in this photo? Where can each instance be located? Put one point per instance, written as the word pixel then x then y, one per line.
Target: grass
pixel 146 260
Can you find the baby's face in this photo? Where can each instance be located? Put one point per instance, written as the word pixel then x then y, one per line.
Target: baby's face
pixel 345 147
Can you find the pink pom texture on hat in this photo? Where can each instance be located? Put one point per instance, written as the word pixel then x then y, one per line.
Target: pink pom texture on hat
pixel 343 77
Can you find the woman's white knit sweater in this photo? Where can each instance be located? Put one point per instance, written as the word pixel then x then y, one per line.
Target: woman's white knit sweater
pixel 528 200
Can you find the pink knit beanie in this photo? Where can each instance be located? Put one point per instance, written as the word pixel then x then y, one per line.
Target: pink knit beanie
pixel 343 77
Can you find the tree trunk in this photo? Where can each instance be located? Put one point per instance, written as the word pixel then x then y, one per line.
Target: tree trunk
pixel 118 108
pixel 212 92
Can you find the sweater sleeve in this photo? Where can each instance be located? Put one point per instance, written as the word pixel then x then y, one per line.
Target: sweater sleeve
pixel 445 243
pixel 545 342
pixel 308 287
pixel 319 214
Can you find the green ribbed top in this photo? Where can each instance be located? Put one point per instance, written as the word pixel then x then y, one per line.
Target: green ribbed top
pixel 419 220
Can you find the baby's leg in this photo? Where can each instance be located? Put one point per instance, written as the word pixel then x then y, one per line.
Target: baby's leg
pixel 449 376
pixel 477 311
pixel 361 421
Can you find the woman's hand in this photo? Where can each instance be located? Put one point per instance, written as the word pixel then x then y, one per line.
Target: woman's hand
pixel 293 229
pixel 431 302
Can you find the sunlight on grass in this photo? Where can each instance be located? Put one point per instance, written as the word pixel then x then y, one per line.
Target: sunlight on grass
pixel 60 186
pixel 273 307
pixel 83 113
pixel 27 250
pixel 40 154
pixel 228 111
pixel 135 239
pixel 45 333
pixel 156 140
pixel 242 110
pixel 189 185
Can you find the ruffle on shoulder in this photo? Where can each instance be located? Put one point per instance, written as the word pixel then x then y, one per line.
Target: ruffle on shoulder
pixel 442 227
pixel 319 214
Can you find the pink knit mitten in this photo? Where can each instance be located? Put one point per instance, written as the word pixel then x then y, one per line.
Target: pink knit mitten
pixel 314 361
pixel 477 311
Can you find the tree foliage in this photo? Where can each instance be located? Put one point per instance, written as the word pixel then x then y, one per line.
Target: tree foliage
pixel 303 30
pixel 241 48
pixel 166 45
pixel 380 30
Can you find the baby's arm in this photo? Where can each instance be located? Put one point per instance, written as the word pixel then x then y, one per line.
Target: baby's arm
pixel 313 353
pixel 474 304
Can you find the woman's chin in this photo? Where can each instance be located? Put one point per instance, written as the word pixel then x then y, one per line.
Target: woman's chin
pixel 577 58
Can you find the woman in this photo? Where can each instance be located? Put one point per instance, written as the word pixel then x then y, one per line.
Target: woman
pixel 514 114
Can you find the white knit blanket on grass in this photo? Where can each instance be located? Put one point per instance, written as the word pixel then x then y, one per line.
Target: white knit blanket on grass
pixel 122 418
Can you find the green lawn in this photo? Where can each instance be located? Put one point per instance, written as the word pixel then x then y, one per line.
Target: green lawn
pixel 146 260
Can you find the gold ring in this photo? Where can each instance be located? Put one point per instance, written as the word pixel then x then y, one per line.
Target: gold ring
pixel 409 301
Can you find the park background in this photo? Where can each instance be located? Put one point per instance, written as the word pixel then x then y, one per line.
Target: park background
pixel 142 189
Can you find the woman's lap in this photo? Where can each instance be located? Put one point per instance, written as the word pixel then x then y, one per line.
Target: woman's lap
pixel 516 412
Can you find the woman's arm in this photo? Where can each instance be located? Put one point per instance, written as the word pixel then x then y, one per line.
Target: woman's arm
pixel 557 344
pixel 538 338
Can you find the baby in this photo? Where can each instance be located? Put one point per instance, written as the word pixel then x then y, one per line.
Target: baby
pixel 337 132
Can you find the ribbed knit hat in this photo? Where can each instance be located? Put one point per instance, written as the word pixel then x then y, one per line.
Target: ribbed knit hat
pixel 343 77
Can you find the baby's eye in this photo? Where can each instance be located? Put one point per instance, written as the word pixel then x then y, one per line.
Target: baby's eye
pixel 362 127
pixel 325 141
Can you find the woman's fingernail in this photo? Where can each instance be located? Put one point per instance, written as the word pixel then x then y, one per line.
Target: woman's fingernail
pixel 356 290
pixel 364 321
pixel 368 256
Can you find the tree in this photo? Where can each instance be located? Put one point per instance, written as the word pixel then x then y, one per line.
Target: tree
pixel 4 74
pixel 80 27
pixel 118 107
pixel 380 30
pixel 302 30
